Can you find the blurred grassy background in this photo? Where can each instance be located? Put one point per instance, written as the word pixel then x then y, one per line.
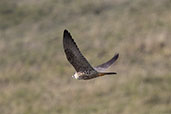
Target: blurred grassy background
pixel 35 77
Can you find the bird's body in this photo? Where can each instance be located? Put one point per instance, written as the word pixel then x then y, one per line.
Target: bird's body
pixel 84 70
pixel 85 76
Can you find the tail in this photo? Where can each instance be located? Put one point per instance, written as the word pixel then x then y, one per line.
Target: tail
pixel 106 73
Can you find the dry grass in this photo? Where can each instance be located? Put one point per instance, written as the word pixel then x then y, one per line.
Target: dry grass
pixel 35 77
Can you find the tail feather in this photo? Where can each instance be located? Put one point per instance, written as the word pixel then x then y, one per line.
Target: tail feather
pixel 106 73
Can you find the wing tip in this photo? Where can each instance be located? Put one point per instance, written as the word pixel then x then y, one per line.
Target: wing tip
pixel 116 56
pixel 66 33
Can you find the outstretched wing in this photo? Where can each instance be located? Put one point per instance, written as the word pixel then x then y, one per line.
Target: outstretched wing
pixel 74 55
pixel 107 64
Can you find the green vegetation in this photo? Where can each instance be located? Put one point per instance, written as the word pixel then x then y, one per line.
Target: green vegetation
pixel 35 77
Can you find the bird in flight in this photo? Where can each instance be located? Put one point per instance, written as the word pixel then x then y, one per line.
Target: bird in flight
pixel 84 71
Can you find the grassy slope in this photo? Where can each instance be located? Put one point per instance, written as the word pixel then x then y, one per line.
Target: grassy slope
pixel 35 77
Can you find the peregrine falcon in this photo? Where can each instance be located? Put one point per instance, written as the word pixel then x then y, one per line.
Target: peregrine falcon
pixel 84 71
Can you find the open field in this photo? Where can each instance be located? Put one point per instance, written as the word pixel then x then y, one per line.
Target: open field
pixel 35 77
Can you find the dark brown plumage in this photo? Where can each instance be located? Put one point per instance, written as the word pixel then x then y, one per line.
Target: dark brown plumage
pixel 84 69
